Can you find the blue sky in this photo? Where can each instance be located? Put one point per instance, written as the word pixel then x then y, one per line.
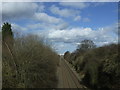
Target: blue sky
pixel 65 24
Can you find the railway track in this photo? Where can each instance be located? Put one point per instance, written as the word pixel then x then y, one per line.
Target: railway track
pixel 73 76
pixel 69 79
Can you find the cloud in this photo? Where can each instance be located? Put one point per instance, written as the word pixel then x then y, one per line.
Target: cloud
pixel 30 11
pixel 75 35
pixel 68 39
pixel 77 5
pixel 18 10
pixel 43 17
pixel 42 26
pixel 69 36
pixel 63 12
pixel 77 18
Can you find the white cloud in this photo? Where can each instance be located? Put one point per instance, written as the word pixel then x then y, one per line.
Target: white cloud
pixel 69 35
pixel 78 5
pixel 75 35
pixel 28 10
pixel 17 10
pixel 46 26
pixel 43 17
pixel 63 12
pixel 68 39
pixel 77 18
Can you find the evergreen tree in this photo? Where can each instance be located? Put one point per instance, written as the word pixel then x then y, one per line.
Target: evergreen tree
pixel 7 34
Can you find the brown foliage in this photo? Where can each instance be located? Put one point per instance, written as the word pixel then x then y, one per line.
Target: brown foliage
pixel 36 64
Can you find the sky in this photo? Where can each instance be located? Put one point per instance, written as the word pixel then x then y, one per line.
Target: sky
pixel 64 24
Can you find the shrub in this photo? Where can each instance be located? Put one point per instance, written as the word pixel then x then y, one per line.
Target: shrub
pixel 36 64
pixel 100 66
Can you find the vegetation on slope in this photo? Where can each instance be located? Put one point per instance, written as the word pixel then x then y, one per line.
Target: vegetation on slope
pixel 98 67
pixel 27 61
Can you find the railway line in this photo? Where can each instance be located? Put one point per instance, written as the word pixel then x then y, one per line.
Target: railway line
pixel 67 77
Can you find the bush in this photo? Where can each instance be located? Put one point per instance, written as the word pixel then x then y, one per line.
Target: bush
pixel 36 64
pixel 100 66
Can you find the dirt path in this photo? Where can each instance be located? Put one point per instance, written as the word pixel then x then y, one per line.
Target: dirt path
pixel 67 78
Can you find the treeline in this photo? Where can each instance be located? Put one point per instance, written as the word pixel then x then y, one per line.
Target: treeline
pixel 27 62
pixel 98 67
